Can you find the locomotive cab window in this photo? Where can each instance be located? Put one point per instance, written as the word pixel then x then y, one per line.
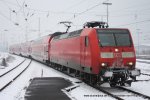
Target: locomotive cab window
pixel 114 37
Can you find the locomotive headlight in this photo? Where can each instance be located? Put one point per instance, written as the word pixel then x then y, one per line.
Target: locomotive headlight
pixel 116 50
pixel 130 63
pixel 104 64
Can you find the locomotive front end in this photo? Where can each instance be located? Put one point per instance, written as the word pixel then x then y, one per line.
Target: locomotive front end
pixel 117 57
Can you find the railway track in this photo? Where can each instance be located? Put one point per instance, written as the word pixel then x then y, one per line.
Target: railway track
pixel 146 80
pixel 121 93
pixel 122 96
pixel 11 76
pixel 134 92
pixel 124 93
pixel 105 92
pixel 6 72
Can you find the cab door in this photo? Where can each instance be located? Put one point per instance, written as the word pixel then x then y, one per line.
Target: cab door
pixel 83 50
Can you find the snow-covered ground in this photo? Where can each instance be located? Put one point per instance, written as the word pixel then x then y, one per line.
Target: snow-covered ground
pixel 142 87
pixel 144 60
pixel 17 89
pixel 11 63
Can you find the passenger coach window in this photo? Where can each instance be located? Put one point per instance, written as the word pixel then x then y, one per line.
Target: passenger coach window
pixel 86 41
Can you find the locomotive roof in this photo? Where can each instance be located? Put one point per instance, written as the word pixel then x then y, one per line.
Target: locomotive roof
pixel 68 35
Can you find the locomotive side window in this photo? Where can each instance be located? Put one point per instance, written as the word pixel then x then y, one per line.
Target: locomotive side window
pixel 86 41
pixel 114 37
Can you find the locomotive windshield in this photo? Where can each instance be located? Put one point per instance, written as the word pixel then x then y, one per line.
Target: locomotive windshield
pixel 114 37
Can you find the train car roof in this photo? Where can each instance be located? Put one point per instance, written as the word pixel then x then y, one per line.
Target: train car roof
pixel 68 35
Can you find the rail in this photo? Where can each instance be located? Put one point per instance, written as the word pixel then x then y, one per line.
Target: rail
pixel 12 68
pixel 12 80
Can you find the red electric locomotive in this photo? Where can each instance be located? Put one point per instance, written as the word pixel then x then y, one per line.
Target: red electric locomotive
pixel 98 55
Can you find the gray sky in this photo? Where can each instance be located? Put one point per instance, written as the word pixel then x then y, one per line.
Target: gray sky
pixel 131 14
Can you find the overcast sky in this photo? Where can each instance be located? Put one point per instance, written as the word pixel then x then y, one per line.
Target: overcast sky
pixel 24 19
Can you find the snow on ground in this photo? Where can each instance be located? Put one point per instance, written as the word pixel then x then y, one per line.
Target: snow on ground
pixel 142 87
pixel 11 60
pixel 17 89
pixel 80 93
pixel 7 78
pixel 143 60
pixel 3 55
pixel 83 92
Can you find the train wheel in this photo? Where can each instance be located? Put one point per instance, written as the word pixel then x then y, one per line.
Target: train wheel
pixel 133 78
pixel 112 84
pixel 128 83
pixel 94 80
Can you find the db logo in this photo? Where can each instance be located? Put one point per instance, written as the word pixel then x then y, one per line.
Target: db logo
pixel 117 55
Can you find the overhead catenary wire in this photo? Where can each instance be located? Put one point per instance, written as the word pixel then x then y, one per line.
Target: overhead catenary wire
pixel 10 8
pixel 76 13
pixel 4 16
pixel 79 3
pixel 87 10
pixel 8 2
pixel 134 23
pixel 22 8
pixel 6 5
pixel 129 7
pixel 13 22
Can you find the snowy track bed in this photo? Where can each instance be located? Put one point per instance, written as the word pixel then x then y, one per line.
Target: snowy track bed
pixel 142 86
pixel 79 94
pixel 82 91
pixel 12 61
pixel 4 72
pixel 8 78
pixel 126 94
